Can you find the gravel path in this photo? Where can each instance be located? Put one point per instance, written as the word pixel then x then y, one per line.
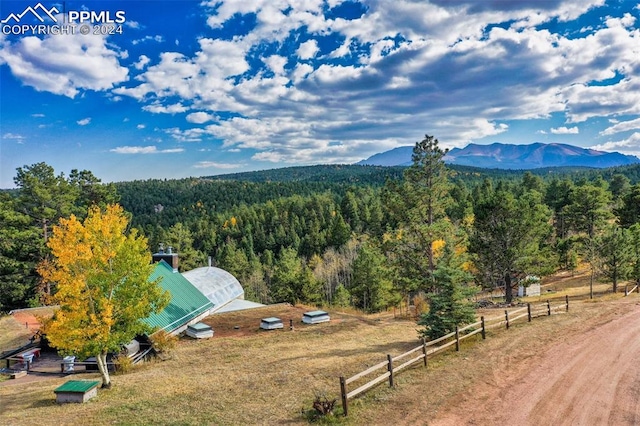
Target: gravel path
pixel 589 378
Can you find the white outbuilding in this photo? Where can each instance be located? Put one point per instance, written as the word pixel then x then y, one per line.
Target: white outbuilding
pixel 271 323
pixel 315 317
pixel 221 288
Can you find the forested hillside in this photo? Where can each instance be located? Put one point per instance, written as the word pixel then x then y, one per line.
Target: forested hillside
pixel 370 237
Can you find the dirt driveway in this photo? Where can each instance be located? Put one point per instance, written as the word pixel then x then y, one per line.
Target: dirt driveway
pixel 590 377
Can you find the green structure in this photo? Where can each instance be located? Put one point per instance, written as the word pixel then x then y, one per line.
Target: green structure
pixel 77 391
pixel 187 306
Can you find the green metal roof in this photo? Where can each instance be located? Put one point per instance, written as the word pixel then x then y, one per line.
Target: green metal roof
pixel 187 302
pixel 77 386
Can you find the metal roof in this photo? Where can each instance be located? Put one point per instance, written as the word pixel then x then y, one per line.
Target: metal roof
pixel 200 327
pixel 238 305
pixel 313 314
pixel 218 285
pixel 77 386
pixel 187 302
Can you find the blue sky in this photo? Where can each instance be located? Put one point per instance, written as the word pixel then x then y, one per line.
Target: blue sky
pixel 197 88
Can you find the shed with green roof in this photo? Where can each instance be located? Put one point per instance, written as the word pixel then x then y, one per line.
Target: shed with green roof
pixel 76 391
pixel 187 306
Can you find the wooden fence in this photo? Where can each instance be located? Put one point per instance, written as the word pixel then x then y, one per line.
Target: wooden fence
pixel 432 347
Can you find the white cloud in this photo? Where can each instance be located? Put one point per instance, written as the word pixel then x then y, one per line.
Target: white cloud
pixel 565 130
pixel 276 63
pixel 13 136
pixel 200 117
pixel 308 49
pixel 402 64
pixel 216 165
pixel 157 39
pixel 84 121
pixel 165 109
pixel 140 126
pixel 189 135
pixel 629 146
pixel 64 64
pixel 132 24
pixel 143 60
pixel 38 115
pixel 623 126
pixel 144 150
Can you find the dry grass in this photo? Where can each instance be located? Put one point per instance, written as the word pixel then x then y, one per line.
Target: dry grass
pixel 14 334
pixel 264 377
pixel 248 376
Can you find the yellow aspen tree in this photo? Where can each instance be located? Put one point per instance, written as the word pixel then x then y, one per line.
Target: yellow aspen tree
pixel 102 275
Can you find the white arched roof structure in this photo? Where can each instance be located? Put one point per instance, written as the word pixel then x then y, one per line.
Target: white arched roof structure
pixel 218 285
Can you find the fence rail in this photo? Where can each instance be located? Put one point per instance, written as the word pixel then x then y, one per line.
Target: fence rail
pixel 428 348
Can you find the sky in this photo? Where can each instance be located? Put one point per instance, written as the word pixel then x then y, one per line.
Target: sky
pixel 173 89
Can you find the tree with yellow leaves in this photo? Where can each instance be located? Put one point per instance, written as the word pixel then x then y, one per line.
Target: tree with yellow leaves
pixel 102 275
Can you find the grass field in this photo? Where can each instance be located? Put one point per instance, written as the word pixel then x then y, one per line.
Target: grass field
pixel 12 334
pixel 247 376
pixel 257 377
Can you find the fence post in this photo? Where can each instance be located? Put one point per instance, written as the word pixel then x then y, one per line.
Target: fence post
pixel 548 308
pixel 424 350
pixel 529 311
pixel 457 339
pixel 343 392
pixel 626 290
pixel 567 301
pixel 484 330
pixel 506 315
pixel 390 368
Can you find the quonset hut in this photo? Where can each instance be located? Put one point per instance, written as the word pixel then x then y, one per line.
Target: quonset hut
pixel 220 287
pixel 195 294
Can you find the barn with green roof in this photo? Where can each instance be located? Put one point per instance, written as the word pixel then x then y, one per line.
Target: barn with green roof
pixel 187 306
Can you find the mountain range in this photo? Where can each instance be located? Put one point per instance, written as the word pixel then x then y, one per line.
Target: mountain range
pixel 516 157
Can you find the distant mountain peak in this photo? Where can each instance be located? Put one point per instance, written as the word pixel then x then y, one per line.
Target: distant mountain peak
pixel 507 156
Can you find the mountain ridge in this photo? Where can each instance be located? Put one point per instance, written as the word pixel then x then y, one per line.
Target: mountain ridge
pixel 512 157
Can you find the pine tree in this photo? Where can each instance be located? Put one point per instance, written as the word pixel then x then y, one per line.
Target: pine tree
pixel 509 239
pixel 450 305
pixel 589 209
pixel 371 286
pixel 418 206
pixel 341 297
pixel 293 280
pixel 616 254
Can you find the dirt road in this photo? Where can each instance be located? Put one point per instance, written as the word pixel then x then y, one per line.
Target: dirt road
pixel 588 378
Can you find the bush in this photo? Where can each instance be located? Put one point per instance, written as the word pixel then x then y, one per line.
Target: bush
pixel 123 363
pixel 163 342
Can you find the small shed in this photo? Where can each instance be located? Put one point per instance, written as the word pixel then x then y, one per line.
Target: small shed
pixel 77 391
pixel 530 290
pixel 200 331
pixel 315 317
pixel 271 323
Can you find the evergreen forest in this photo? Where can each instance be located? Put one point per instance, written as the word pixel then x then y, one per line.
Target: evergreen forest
pixel 367 237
